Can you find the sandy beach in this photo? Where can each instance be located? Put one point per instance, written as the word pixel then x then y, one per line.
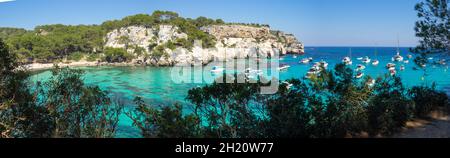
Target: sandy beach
pixel 47 66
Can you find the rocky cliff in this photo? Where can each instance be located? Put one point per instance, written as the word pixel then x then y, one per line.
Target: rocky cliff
pixel 232 41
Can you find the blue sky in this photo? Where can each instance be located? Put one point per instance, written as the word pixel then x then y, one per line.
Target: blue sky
pixel 315 22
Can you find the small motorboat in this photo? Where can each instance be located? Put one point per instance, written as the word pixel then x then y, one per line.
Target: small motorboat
pixel 375 62
pixel 402 68
pixel 347 61
pixel 360 67
pixel 360 58
pixel 314 70
pixel 217 69
pixel 409 56
pixel 359 75
pixel 442 62
pixel 295 56
pixel 288 85
pixel 406 61
pixel 390 65
pixel 250 71
pixel 305 61
pixel 366 60
pixel 323 64
pixel 370 82
pixel 283 67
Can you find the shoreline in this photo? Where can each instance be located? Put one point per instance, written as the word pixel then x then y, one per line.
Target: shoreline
pixel 47 66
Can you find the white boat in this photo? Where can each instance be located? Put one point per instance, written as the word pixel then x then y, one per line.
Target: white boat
pixel 423 65
pixel 283 67
pixel 360 67
pixel 347 61
pixel 442 62
pixel 305 61
pixel 288 85
pixel 366 60
pixel 398 57
pixel 295 56
pixel 402 68
pixel 390 65
pixel 406 61
pixel 375 62
pixel 409 56
pixel 250 71
pixel 314 70
pixel 322 63
pixel 217 69
pixel 360 58
pixel 359 75
pixel 371 82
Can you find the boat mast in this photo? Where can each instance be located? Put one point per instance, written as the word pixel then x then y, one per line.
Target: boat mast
pixel 350 52
pixel 398 45
pixel 376 50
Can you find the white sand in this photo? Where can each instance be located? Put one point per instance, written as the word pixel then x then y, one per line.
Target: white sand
pixel 40 66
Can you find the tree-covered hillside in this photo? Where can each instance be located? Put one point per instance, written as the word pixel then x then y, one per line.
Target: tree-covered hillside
pixel 50 43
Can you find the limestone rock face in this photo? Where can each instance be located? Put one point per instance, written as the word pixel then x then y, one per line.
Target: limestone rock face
pixel 232 41
pixel 142 37
pixel 237 31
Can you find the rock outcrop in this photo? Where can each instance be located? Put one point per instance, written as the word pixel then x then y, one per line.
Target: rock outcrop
pixel 232 41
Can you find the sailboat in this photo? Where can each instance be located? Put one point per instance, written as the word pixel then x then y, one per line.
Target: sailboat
pixel 375 62
pixel 398 57
pixel 366 60
pixel 348 60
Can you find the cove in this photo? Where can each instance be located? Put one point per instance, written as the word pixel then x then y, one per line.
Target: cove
pixel 155 86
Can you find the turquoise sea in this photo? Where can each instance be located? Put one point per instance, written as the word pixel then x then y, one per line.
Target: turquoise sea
pixel 155 86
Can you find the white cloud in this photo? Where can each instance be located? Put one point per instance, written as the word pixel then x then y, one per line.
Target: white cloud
pixel 6 1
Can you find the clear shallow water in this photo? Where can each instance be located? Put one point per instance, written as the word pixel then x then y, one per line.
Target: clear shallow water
pixel 156 86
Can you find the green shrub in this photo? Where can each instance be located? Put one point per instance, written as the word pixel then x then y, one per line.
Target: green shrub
pixel 77 56
pixel 158 52
pixel 117 55
pixel 93 57
pixel 165 122
pixel 390 108
pixel 427 99
pixel 170 45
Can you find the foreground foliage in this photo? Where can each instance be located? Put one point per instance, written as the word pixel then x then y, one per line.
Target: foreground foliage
pixel 433 30
pixel 60 107
pixel 332 105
